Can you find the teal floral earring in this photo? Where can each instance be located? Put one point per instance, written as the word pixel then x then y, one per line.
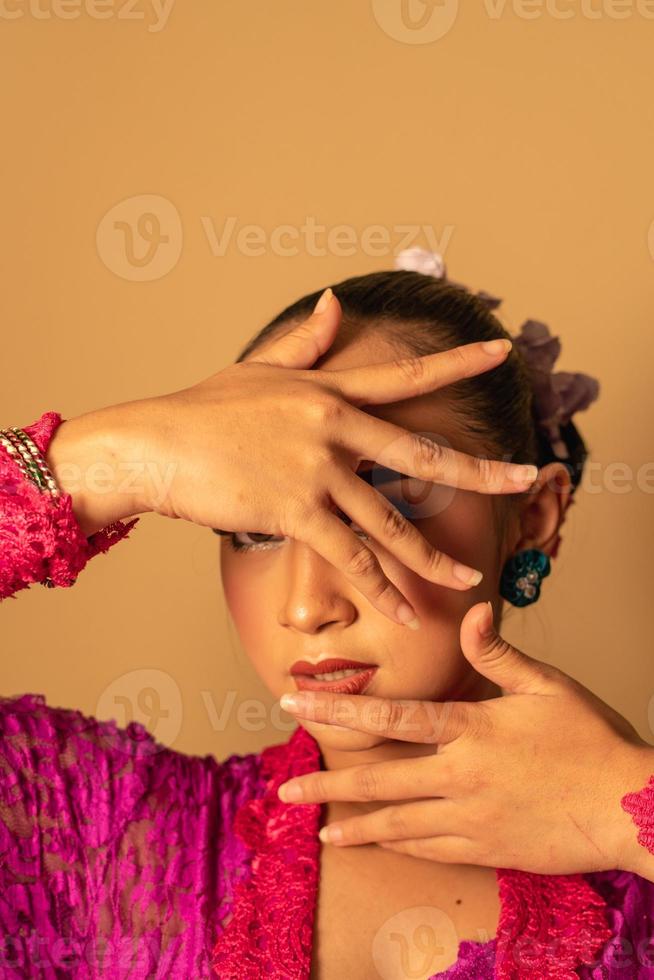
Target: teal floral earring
pixel 522 576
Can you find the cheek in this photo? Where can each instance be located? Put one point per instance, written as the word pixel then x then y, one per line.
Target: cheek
pixel 252 611
pixel 243 594
pixel 432 670
pixel 430 664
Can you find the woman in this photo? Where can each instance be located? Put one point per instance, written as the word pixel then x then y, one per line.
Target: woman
pixel 122 858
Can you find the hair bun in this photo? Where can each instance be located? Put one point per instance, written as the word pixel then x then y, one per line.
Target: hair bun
pixel 432 264
pixel 556 395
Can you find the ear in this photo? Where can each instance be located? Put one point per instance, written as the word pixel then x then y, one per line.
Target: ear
pixel 544 510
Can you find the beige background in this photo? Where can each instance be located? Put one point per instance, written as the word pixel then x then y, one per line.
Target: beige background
pixel 522 136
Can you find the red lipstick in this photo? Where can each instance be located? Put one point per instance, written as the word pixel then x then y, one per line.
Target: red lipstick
pixel 353 683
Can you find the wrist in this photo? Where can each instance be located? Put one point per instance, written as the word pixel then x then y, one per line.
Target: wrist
pixel 95 459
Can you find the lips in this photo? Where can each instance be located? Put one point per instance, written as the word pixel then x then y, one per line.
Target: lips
pixel 326 666
pixel 354 683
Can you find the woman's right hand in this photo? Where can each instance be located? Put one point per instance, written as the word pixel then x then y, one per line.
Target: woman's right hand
pixel 269 445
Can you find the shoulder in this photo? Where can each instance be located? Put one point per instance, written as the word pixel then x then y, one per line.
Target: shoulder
pixel 93 814
pixel 92 774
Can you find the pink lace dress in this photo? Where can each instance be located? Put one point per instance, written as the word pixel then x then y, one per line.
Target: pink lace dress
pixel 121 858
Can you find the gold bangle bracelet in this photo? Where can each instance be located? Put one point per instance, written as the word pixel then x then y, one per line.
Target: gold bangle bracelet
pixel 27 456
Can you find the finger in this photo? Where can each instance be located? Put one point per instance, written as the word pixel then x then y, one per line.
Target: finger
pixel 373 512
pixel 304 343
pixel 448 849
pixel 494 657
pixel 424 818
pixel 435 722
pixel 330 537
pixel 428 776
pixel 413 454
pixel 392 381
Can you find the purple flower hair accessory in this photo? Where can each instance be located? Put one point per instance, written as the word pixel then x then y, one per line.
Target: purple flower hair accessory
pixel 557 395
pixel 421 260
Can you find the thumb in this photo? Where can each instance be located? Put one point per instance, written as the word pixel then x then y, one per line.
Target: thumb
pixel 494 657
pixel 301 346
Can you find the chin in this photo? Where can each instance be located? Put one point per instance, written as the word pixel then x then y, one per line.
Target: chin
pixel 337 737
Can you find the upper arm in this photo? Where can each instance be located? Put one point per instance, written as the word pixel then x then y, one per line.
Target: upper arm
pixel 64 775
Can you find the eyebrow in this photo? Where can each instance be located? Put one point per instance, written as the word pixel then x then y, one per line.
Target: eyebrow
pixel 383 475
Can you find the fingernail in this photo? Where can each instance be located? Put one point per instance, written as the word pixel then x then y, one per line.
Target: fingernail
pixel 496 346
pixel 293 702
pixel 523 474
pixel 407 616
pixel 290 792
pixel 329 834
pixel 485 621
pixel 324 301
pixel 468 575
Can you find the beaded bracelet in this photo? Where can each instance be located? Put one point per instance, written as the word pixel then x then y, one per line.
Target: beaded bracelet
pixel 41 539
pixel 32 464
pixel 27 456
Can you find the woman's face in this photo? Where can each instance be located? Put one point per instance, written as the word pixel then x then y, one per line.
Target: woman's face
pixel 288 603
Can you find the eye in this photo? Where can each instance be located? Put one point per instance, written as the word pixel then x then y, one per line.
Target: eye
pixel 258 541
pixel 263 542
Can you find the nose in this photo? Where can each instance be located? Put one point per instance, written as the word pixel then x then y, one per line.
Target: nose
pixel 315 594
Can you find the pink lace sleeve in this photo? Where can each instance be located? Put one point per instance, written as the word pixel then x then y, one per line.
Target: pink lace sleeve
pixel 40 539
pixel 641 807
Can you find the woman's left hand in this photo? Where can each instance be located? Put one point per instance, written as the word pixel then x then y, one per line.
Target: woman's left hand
pixel 531 780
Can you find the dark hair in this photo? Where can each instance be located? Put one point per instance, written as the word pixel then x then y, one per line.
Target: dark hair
pixel 420 315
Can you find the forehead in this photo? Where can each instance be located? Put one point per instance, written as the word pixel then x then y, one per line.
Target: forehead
pixel 433 414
